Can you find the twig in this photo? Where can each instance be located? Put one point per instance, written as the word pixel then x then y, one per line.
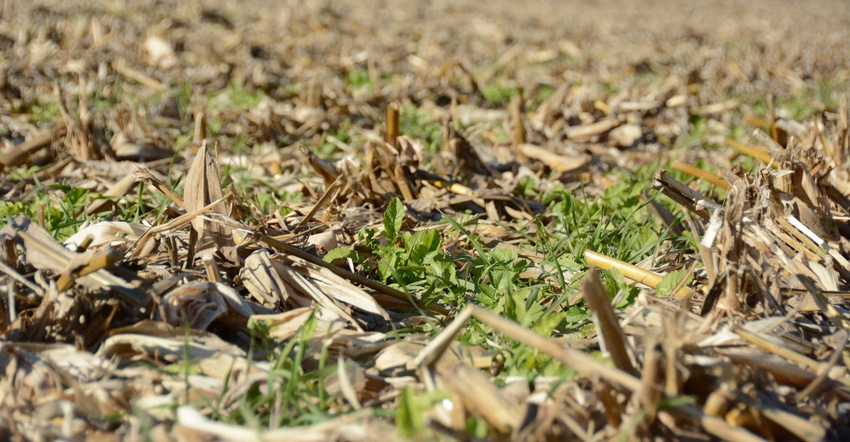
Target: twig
pixel 329 194
pixel 593 129
pixel 175 223
pixel 122 68
pixel 823 375
pixel 144 174
pixel 629 271
pixel 701 174
pixel 684 195
pixel 756 152
pixel 17 155
pixel 18 277
pixel 517 109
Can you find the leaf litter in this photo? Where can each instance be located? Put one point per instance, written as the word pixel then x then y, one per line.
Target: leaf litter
pixel 290 222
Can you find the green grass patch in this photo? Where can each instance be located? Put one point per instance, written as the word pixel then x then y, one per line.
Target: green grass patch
pixel 420 125
pixel 358 80
pixel 499 92
pixel 236 96
pixel 57 205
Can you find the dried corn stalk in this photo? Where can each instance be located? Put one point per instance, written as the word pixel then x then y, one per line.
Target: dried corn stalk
pixel 203 187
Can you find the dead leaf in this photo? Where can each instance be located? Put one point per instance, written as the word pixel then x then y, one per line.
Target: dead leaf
pixel 203 187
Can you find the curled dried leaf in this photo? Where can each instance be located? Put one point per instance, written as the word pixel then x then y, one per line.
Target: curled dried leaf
pixel 194 304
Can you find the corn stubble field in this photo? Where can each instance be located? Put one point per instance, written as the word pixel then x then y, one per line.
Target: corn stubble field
pixel 373 220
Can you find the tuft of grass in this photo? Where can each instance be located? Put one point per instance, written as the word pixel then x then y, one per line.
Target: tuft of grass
pixel 42 112
pixel 358 80
pixel 296 395
pixel 420 125
pixel 58 205
pixel 236 97
pixel 499 92
pixel 543 93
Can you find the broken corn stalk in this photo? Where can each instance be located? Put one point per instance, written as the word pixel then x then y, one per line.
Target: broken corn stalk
pixel 629 271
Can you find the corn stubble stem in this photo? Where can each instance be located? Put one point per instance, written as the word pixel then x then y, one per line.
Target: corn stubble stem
pixel 392 124
pixel 581 362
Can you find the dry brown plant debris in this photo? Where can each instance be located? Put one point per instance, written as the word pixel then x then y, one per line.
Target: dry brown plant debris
pixel 203 308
